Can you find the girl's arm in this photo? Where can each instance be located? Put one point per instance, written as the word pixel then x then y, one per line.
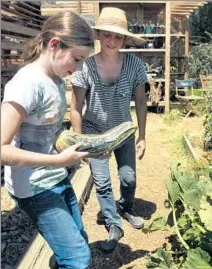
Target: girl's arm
pixel 12 115
pixel 77 102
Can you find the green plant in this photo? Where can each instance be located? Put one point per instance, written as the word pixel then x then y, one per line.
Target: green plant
pixel 189 199
pixel 172 116
pixel 173 68
pixel 151 69
pixel 200 60
pixel 208 125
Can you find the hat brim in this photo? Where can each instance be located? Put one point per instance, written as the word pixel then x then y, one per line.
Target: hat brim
pixel 132 39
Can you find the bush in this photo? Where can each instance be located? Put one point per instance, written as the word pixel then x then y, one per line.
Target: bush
pixel 200 60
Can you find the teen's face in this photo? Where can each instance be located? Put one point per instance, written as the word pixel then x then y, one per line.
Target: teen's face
pixel 111 42
pixel 67 61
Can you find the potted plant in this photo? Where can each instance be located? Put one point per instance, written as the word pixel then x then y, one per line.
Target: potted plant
pixel 153 72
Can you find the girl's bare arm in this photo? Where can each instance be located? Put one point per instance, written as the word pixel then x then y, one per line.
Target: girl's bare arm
pixel 12 115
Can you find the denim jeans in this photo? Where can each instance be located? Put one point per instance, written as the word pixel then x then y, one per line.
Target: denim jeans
pixel 57 217
pixel 125 158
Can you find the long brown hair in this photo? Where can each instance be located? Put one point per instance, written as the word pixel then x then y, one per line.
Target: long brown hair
pixel 69 27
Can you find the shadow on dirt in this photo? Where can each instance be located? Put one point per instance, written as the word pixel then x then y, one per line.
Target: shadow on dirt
pixel 122 255
pixel 144 208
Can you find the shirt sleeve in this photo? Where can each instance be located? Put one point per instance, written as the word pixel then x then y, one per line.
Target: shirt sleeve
pixel 21 90
pixel 80 78
pixel 141 75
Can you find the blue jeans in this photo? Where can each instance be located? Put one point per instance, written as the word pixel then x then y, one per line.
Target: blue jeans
pixel 56 215
pixel 125 158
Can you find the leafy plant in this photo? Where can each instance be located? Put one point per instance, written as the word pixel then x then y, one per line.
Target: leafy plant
pixel 150 68
pixel 190 201
pixel 201 21
pixel 200 60
pixel 172 116
pixel 208 124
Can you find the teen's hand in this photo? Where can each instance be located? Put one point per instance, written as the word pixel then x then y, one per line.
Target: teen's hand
pixel 71 156
pixel 140 148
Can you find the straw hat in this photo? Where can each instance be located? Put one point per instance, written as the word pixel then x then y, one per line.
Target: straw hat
pixel 114 20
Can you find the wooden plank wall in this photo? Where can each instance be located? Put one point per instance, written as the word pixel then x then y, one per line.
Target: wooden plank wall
pixel 80 7
pixel 19 22
pixel 84 8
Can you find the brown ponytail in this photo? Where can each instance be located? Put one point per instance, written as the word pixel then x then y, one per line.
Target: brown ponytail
pixel 72 30
pixel 32 49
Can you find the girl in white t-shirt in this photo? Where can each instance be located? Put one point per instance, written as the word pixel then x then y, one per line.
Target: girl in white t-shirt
pixel 32 112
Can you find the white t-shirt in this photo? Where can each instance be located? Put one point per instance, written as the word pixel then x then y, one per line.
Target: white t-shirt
pixel 45 105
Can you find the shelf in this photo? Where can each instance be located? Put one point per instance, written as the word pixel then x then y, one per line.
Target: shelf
pixel 142 50
pixel 161 103
pixel 175 74
pixel 177 35
pixel 150 35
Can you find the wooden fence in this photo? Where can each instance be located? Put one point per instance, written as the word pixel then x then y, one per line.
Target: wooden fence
pixel 19 22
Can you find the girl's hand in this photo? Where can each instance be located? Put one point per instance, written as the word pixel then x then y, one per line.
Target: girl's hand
pixel 71 156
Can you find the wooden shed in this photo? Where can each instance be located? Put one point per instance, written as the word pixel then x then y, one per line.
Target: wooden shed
pixel 164 25
pixel 19 22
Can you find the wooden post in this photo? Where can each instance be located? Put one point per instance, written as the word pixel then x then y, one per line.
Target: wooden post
pixel 97 12
pixel 186 51
pixel 79 7
pixel 167 56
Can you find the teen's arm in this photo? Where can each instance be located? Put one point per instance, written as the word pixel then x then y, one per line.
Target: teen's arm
pixel 141 112
pixel 77 102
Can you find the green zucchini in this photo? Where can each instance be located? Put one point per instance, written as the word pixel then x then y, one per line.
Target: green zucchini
pixel 96 144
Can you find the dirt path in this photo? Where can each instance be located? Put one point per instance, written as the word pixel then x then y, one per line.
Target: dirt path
pixel 150 195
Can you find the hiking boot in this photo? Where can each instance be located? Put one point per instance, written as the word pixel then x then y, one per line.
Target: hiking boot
pixel 136 221
pixel 115 234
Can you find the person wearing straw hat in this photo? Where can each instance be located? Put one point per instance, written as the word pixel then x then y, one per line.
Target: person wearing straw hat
pixel 107 81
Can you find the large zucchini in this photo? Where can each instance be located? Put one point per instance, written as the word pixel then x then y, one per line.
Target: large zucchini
pixel 96 144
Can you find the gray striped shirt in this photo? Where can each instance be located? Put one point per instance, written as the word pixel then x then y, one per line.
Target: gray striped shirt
pixel 108 105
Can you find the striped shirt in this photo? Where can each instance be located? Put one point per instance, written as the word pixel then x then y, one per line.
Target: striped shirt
pixel 108 105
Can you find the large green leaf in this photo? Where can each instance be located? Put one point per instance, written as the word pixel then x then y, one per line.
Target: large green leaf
pixel 183 221
pixel 192 196
pixel 197 259
pixel 192 235
pixel 161 260
pixel 158 223
pixel 205 211
pixel 173 189
pixel 186 181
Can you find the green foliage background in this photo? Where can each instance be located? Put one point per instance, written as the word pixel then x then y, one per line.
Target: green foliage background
pixel 200 57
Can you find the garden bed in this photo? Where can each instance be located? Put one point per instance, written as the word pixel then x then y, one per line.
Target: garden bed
pixel 194 144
